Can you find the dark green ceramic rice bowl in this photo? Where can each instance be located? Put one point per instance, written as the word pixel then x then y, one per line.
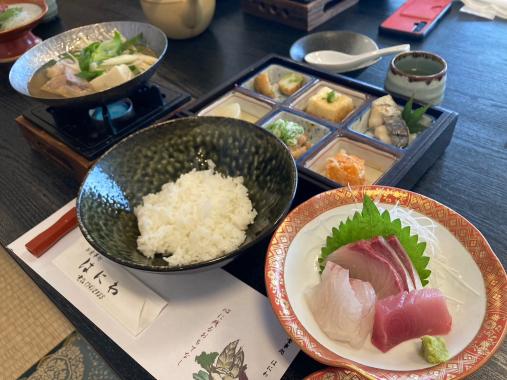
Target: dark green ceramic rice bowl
pixel 144 161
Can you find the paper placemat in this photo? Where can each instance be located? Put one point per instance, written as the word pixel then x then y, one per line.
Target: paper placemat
pixel 213 325
pixel 118 292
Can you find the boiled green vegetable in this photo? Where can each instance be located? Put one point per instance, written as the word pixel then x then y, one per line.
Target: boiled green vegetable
pixel 287 131
pixel 92 55
pixel 331 96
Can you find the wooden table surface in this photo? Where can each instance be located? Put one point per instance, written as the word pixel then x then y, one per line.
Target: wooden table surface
pixel 471 177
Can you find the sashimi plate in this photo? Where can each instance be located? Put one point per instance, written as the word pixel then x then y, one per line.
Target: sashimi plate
pixel 463 266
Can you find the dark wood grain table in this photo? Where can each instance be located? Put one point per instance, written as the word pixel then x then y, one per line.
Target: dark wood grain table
pixel 471 177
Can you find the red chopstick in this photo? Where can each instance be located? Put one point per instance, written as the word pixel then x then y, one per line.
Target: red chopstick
pixel 46 239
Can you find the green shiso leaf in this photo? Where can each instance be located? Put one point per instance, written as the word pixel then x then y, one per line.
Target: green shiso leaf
pixel 370 223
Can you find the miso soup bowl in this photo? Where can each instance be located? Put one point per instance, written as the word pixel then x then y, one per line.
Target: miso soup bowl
pixel 417 74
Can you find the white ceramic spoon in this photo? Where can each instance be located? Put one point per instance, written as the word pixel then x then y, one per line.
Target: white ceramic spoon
pixel 335 60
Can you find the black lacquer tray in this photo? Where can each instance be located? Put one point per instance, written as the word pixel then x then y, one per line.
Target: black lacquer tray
pixel 386 164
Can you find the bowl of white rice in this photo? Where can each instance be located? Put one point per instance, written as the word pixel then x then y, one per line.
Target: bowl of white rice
pixel 186 195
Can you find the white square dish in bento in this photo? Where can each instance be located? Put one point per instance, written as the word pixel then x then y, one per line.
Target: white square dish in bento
pixel 279 77
pixel 334 108
pixel 237 106
pixel 376 162
pixel 371 128
pixel 313 132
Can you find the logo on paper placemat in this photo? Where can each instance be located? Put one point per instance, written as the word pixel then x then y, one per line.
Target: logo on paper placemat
pixel 228 365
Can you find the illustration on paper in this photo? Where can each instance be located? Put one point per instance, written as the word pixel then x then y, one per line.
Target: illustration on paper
pixel 228 365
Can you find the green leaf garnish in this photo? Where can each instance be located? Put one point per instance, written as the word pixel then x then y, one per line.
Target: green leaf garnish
pixel 370 223
pixel 9 13
pixel 97 52
pixel 84 57
pixel 331 96
pixel 89 75
pixel 407 110
pixel 133 42
pixel 413 117
pixel 108 49
pixel 292 78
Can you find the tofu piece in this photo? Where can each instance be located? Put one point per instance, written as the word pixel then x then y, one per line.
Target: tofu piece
pixel 263 86
pixel 290 83
pixel 330 107
pixel 114 77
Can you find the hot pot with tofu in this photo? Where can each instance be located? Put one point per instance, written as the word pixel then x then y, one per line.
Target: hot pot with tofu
pixel 91 65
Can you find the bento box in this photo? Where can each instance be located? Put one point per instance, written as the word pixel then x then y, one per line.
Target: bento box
pixel 340 131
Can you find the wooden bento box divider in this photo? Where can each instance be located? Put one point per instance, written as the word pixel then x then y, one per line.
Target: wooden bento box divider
pixel 298 14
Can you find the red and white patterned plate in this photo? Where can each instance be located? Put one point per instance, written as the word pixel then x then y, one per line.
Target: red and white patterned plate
pixel 474 282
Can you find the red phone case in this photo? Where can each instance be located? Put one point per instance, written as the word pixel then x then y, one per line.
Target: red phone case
pixel 416 18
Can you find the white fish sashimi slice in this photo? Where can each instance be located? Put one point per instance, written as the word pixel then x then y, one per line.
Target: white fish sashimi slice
pixel 343 309
pixel 366 296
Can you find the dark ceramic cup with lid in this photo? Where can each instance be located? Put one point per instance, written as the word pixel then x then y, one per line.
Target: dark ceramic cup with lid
pixel 417 74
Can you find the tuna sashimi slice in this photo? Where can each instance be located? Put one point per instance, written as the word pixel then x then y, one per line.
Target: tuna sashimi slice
pixel 403 256
pixel 410 315
pixel 380 245
pixel 365 264
pixel 343 308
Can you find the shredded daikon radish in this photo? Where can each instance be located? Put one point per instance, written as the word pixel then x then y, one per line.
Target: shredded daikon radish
pixel 459 279
pixel 457 304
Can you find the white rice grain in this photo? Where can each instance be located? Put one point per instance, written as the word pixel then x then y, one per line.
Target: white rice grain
pixel 201 216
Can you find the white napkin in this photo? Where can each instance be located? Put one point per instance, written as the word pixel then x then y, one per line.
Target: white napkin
pixel 485 8
pixel 119 293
